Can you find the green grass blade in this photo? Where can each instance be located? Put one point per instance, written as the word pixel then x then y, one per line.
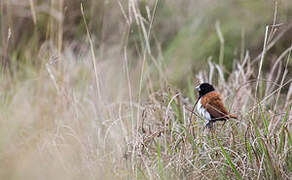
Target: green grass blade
pixel 282 136
pixel 258 134
pixel 264 118
pixel 286 115
pixel 228 159
pixel 289 136
pixel 249 152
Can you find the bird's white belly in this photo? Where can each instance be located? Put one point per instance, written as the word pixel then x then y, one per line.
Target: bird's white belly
pixel 202 111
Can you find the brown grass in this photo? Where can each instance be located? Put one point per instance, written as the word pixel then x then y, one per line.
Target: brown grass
pixel 109 105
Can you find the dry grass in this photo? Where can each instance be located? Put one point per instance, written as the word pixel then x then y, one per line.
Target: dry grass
pixel 106 107
pixel 249 147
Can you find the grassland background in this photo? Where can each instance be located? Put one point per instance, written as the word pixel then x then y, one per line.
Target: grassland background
pixel 76 89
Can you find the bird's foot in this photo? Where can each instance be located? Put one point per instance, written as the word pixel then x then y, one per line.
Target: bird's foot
pixel 208 125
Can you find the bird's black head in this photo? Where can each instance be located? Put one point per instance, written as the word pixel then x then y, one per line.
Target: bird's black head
pixel 204 88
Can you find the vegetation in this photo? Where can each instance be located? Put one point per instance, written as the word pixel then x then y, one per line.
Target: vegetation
pixel 105 89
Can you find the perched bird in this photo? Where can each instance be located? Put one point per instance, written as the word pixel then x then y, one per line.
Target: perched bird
pixel 210 105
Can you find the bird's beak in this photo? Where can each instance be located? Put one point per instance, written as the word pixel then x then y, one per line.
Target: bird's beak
pixel 198 88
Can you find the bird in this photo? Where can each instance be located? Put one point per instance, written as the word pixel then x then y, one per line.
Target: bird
pixel 210 105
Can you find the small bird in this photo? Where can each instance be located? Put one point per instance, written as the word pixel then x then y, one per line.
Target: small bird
pixel 210 105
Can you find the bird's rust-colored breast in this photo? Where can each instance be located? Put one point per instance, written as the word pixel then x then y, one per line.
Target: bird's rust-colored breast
pixel 213 103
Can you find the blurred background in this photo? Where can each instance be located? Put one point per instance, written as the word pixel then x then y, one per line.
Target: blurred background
pixel 62 68
pixel 184 34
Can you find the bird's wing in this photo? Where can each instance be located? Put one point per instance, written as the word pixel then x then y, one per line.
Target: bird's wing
pixel 214 105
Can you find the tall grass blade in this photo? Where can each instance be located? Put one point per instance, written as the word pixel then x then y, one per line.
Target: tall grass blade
pixel 249 152
pixel 228 159
pixel 282 136
pixel 266 131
